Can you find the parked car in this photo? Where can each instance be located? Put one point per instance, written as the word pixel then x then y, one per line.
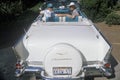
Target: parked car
pixel 66 49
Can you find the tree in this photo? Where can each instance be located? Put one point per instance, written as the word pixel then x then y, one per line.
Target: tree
pixel 9 9
pixel 96 10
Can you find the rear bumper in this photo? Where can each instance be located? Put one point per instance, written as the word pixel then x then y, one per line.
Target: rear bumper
pixel 61 78
pixel 87 71
pixel 28 69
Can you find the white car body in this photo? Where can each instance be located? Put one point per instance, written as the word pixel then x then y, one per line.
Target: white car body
pixel 63 50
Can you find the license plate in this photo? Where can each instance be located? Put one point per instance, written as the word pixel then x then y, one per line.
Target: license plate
pixel 62 70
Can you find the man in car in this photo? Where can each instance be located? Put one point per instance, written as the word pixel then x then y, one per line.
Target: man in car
pixel 48 13
pixel 73 9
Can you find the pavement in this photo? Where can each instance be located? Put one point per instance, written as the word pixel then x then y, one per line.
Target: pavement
pixel 112 33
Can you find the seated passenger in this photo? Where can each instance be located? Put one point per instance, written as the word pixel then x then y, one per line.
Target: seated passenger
pixel 48 13
pixel 73 9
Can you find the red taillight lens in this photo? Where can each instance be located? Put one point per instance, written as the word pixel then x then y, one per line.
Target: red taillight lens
pixel 18 66
pixel 107 65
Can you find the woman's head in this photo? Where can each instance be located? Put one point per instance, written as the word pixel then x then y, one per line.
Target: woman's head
pixel 72 6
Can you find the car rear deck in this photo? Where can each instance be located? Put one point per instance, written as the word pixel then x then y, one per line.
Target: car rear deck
pixel 83 36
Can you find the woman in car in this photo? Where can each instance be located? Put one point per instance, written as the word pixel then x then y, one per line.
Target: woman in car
pixel 73 13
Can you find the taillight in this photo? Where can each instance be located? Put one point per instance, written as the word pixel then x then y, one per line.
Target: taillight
pixel 107 65
pixel 18 66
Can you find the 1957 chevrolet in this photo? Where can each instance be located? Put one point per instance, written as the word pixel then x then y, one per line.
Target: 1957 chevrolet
pixel 66 49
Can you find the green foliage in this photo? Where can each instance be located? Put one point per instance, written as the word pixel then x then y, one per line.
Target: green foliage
pixel 103 12
pixel 113 18
pixel 11 7
pixel 117 7
pixel 97 10
pixel 36 7
pixel 9 10
pixel 89 3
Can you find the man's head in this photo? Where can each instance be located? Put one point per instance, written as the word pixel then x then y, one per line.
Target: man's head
pixel 50 6
pixel 72 6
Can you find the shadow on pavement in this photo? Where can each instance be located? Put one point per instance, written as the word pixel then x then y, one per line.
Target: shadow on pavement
pixel 1 75
pixel 114 63
pixel 11 32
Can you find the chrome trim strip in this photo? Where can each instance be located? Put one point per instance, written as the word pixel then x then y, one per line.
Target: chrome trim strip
pixel 35 63
pixel 33 69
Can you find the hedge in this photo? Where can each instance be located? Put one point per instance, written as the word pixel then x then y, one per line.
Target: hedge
pixel 113 18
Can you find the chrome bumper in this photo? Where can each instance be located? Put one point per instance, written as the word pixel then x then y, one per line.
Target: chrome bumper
pixel 87 71
pixel 28 69
pixel 42 72
pixel 81 77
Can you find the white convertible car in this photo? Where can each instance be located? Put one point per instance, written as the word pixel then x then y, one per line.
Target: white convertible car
pixel 66 49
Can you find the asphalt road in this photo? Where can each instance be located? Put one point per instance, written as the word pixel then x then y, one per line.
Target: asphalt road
pixel 8 59
pixel 112 33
